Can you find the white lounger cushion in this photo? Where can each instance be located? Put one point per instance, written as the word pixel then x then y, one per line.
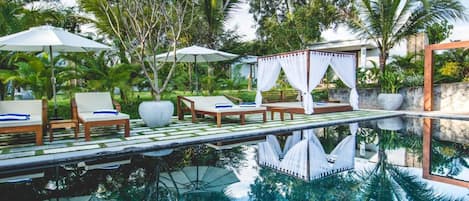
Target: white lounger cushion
pixel 207 103
pixel 32 107
pixel 89 116
pixel 89 102
pixel 33 120
pixel 92 101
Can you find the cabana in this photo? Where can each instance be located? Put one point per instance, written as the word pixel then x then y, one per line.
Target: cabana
pixel 305 158
pixel 304 70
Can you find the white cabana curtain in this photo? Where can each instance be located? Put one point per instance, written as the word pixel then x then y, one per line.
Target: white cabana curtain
pixel 268 72
pixel 318 63
pixel 295 68
pixel 344 66
pixel 306 158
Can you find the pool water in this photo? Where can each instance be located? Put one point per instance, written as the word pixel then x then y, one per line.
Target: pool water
pixel 383 160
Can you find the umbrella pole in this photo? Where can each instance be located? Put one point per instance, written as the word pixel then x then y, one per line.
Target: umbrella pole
pixel 51 56
pixel 196 75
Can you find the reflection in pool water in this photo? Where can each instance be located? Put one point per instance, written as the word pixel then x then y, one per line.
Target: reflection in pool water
pixel 304 157
pixel 386 166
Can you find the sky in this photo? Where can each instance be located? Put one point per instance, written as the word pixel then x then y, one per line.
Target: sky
pixel 246 26
pixel 242 21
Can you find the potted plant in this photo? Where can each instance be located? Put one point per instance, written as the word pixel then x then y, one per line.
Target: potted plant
pixel 391 81
pixel 142 29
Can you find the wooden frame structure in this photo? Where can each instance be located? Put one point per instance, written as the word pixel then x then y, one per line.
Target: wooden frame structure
pixel 38 129
pixel 428 106
pixel 217 115
pixel 428 70
pixel 427 151
pixel 308 61
pixel 88 124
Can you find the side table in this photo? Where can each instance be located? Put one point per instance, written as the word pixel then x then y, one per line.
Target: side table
pixel 282 112
pixel 67 123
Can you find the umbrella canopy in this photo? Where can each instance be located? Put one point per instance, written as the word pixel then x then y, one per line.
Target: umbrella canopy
pixel 195 179
pixel 49 39
pixel 40 39
pixel 195 54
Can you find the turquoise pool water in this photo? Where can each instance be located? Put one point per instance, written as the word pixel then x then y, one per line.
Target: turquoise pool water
pixel 378 160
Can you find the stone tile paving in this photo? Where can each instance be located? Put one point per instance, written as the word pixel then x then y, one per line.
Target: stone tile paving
pixel 109 139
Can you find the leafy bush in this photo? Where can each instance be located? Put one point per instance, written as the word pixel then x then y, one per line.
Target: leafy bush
pixel 391 81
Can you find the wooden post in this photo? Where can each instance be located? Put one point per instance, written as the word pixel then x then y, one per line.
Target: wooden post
pixel 428 80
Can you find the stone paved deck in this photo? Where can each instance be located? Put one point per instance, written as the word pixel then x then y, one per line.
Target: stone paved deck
pixel 109 141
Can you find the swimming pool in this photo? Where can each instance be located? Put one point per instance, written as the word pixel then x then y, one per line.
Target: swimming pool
pixel 387 163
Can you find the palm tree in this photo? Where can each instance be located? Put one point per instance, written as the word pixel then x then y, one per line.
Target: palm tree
pixel 388 22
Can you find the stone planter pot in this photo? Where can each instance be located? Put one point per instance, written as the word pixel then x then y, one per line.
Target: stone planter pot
pixel 390 101
pixel 391 124
pixel 156 113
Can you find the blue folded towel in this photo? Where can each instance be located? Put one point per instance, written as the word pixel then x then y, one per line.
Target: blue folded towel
pixel 248 104
pixel 223 105
pixel 106 111
pixel 16 114
pixel 14 117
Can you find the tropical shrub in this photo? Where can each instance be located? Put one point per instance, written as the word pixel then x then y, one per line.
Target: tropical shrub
pixel 391 81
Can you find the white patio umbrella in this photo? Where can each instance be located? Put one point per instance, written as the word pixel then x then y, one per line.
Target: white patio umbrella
pixel 195 54
pixel 194 179
pixel 49 39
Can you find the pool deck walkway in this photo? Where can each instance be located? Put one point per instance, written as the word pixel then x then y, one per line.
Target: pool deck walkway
pixel 109 141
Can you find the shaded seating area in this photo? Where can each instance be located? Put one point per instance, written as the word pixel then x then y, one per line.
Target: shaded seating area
pixel 216 106
pixel 20 116
pixel 97 109
pixel 304 71
pixel 304 157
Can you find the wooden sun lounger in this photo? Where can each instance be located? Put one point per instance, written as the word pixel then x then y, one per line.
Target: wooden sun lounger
pixel 82 110
pixel 36 108
pixel 297 108
pixel 205 105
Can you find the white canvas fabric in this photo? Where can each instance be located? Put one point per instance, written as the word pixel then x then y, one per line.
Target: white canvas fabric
pixel 295 161
pixel 267 155
pixel 198 179
pixel 309 150
pixel 195 54
pixel 93 101
pixel 344 67
pixel 89 116
pixel 31 107
pixel 33 120
pixel 207 104
pixel 39 39
pixel 318 64
pixel 295 68
pixel 267 74
pixel 89 102
pixel 291 141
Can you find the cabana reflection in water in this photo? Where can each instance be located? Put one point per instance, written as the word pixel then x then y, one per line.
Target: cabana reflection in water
pixel 304 157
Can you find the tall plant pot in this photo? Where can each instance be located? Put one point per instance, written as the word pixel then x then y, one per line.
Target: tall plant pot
pixel 390 101
pixel 156 113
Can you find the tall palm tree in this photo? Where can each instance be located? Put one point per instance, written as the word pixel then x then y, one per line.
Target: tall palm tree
pixel 388 22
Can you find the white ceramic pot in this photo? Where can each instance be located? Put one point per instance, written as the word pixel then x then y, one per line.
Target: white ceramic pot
pixel 390 101
pixel 156 113
pixel 391 124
